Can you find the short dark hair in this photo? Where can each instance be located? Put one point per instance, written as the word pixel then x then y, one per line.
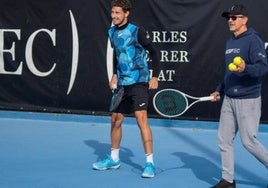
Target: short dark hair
pixel 124 4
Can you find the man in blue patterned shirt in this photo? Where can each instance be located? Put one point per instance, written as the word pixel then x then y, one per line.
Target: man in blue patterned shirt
pixel 131 73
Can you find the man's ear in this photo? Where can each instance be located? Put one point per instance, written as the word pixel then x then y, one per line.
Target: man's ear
pixel 127 14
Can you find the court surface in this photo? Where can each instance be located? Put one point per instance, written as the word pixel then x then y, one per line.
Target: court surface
pixel 39 150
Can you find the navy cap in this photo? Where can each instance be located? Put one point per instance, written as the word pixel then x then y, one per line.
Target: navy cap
pixel 235 10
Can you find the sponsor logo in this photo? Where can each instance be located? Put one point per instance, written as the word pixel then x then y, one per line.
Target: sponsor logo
pixel 142 104
pixel 234 51
pixel 29 60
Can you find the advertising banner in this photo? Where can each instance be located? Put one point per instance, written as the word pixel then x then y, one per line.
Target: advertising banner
pixel 55 56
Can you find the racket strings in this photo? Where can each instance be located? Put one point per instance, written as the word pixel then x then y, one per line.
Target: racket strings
pixel 170 103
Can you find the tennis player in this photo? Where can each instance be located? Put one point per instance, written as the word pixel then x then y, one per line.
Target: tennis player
pixel 241 108
pixel 130 43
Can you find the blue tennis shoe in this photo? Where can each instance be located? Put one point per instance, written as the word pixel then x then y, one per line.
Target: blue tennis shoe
pixel 149 171
pixel 105 164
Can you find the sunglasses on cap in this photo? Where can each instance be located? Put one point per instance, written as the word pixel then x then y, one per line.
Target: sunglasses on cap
pixel 233 17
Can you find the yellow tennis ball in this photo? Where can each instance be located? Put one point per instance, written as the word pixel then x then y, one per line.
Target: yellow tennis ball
pixel 232 66
pixel 237 60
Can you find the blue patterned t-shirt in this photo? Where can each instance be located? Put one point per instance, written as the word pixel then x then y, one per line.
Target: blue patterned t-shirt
pixel 132 66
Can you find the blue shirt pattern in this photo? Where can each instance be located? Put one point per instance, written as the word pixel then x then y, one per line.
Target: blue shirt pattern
pixel 132 66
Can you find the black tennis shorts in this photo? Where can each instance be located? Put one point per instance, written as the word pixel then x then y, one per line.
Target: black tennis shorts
pixel 136 97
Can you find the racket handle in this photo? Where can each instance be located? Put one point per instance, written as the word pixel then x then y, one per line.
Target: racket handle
pixel 208 98
pixel 114 87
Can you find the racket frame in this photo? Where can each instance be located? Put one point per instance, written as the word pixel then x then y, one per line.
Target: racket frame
pixel 185 96
pixel 117 93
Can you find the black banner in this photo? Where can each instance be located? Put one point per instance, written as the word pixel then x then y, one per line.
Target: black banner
pixel 55 55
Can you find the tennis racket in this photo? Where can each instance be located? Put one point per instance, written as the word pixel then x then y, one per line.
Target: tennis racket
pixel 172 103
pixel 116 98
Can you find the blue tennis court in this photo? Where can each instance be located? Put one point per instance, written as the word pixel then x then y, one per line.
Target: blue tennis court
pixel 40 150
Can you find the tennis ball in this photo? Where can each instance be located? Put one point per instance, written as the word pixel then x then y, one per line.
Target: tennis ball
pixel 232 66
pixel 237 60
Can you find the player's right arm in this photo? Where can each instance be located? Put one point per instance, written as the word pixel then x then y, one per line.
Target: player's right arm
pixel 113 81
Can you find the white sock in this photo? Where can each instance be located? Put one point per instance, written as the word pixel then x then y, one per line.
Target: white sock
pixel 115 154
pixel 150 158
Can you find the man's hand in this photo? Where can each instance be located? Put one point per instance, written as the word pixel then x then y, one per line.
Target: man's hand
pixel 241 67
pixel 216 96
pixel 113 82
pixel 153 83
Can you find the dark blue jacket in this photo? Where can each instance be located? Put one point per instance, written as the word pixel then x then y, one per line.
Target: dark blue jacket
pixel 247 84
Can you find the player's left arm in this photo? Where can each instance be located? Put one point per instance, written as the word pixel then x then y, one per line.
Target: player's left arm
pixel 257 66
pixel 145 40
